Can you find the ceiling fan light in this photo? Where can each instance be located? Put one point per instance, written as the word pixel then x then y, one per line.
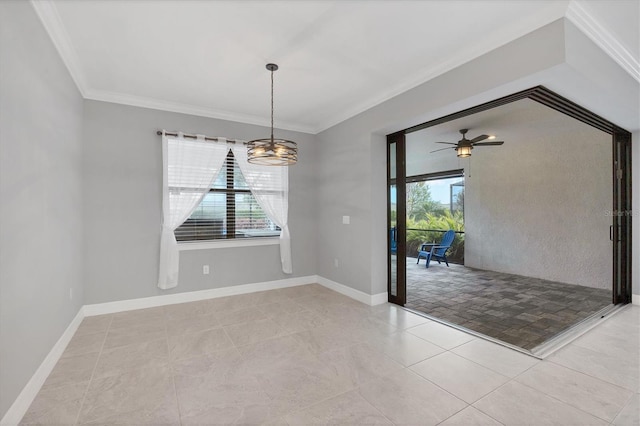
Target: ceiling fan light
pixel 463 151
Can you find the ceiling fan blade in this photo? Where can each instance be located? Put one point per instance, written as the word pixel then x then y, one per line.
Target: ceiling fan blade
pixel 488 143
pixel 448 143
pixel 479 138
pixel 441 149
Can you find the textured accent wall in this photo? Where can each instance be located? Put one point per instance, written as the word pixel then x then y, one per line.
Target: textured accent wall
pixel 543 211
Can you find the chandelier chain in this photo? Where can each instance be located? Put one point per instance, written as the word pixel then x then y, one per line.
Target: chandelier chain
pixel 272 105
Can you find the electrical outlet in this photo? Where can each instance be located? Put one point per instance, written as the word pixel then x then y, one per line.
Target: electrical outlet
pixel 346 220
pixel 336 263
pixel 70 293
pixel 205 270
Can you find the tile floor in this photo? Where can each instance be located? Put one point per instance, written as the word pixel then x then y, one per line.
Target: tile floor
pixel 522 311
pixel 307 355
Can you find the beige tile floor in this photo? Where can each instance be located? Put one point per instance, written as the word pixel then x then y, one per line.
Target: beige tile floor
pixel 307 355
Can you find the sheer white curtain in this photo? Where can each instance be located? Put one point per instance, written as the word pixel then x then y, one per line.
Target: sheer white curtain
pixel 189 168
pixel 270 187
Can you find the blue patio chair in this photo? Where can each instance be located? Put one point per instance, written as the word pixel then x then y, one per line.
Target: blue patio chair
pixel 394 242
pixel 437 251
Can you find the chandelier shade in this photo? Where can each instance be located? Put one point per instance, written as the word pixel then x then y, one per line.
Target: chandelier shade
pixel 272 151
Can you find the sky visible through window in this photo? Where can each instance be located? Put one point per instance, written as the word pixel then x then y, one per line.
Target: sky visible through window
pixel 439 189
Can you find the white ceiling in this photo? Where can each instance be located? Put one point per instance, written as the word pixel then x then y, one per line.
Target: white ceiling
pixel 522 116
pixel 337 58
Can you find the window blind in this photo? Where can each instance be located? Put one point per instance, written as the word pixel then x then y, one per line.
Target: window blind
pixel 227 211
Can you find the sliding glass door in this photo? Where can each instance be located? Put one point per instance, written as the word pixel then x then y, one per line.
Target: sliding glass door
pixel 401 163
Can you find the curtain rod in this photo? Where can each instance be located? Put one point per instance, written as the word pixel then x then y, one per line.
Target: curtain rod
pixel 206 138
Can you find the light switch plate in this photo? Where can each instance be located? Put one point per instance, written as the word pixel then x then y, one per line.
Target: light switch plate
pixel 346 220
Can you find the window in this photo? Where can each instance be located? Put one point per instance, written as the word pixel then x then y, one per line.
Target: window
pixel 227 211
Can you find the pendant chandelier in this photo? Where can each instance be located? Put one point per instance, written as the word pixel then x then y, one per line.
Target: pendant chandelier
pixel 271 151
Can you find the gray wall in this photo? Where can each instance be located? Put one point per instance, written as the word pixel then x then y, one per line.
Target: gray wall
pixel 352 171
pixel 41 193
pixel 123 203
pixel 351 167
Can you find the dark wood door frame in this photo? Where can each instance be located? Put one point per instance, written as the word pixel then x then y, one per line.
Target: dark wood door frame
pixel 621 213
pixel 400 296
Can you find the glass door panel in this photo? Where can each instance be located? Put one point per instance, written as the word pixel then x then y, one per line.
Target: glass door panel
pixel 393 241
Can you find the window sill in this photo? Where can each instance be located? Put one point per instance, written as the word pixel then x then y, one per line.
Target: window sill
pixel 216 244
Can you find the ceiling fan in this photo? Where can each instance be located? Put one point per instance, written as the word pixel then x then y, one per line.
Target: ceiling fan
pixel 464 145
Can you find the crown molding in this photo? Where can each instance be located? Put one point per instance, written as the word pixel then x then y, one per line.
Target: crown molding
pixel 574 13
pixel 48 14
pixel 162 105
pixel 474 50
pixel 590 26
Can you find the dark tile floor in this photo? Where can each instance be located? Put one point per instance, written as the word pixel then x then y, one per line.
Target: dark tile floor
pixel 519 310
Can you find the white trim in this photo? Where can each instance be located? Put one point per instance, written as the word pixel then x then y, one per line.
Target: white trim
pixel 22 403
pixel 192 296
pixel 590 26
pixel 50 18
pixel 52 23
pixel 559 341
pixel 200 111
pixel 358 295
pixel 240 242
pixel 635 299
pixel 575 13
pixel 379 299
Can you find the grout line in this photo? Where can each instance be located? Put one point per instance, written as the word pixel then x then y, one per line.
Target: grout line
pixel 623 407
pixel 84 397
pixel 313 404
pixel 589 375
pixel 456 413
pixel 224 330
pixel 420 376
pixel 471 332
pixel 171 366
pixel 485 396
pixel 563 402
pixel 538 361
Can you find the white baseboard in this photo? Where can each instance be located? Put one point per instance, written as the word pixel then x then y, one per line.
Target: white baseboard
pixel 20 406
pixel 358 295
pixel 192 296
pixel 635 299
pixel 379 299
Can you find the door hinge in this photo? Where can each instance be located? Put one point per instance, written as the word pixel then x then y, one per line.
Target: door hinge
pixel 619 173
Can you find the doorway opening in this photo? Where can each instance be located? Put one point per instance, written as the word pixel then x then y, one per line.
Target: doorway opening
pixel 538 248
